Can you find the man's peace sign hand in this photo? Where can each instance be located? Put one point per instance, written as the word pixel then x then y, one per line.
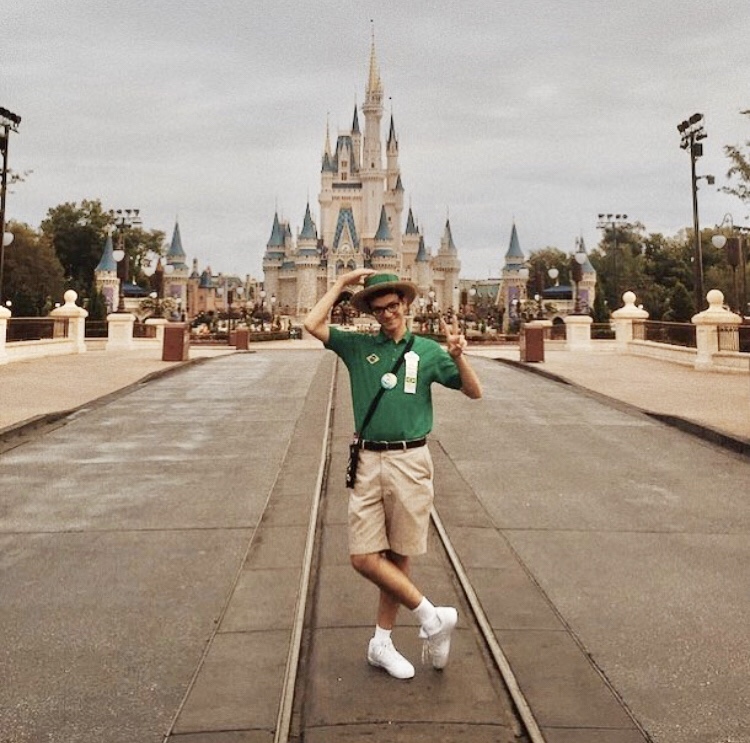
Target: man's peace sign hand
pixel 454 339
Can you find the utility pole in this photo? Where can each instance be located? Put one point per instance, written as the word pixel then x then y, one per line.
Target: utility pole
pixel 8 123
pixel 692 132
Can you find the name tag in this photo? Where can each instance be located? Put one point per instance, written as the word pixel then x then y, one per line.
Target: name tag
pixel 411 366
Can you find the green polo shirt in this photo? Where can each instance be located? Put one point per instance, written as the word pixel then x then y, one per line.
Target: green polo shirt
pixel 400 415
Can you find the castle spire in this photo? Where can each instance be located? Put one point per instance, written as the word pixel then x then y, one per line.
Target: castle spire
pixel 374 85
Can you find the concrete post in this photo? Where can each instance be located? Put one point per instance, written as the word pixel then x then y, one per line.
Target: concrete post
pixel 623 321
pixel 707 325
pixel 76 317
pixel 577 332
pixel 159 322
pixel 120 331
pixel 4 317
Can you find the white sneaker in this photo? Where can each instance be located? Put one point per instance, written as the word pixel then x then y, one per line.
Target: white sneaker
pixel 384 655
pixel 438 644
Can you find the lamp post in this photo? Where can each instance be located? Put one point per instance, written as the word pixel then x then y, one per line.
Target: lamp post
pixel 262 296
pixel 123 219
pixel 691 133
pixel 736 256
pixel 613 221
pixel 9 122
pixel 576 269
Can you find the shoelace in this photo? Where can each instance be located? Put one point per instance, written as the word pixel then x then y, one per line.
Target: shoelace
pixel 426 654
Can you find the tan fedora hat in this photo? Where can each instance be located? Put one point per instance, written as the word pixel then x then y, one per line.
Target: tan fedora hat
pixel 382 283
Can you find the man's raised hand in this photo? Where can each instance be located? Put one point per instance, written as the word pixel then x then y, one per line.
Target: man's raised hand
pixel 454 339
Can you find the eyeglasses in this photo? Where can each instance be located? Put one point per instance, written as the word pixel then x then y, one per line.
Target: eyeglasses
pixel 391 309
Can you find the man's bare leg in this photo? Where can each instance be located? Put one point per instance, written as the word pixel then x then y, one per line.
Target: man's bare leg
pixel 389 605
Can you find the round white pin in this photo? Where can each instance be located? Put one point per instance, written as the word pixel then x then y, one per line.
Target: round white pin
pixel 388 381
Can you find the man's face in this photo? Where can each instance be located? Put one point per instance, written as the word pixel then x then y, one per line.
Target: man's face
pixel 389 311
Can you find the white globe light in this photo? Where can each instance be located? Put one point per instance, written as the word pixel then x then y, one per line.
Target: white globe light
pixel 718 241
pixel 7 239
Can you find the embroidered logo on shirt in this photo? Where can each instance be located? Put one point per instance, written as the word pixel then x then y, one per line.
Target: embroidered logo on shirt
pixel 373 358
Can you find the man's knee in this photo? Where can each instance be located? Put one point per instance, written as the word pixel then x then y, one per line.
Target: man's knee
pixel 365 563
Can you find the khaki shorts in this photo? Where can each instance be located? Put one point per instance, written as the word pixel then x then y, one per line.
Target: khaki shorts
pixel 389 507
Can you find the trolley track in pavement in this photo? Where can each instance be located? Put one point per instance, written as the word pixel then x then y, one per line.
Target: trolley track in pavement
pixel 330 692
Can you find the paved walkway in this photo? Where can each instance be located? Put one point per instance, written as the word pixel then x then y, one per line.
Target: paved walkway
pixel 717 401
pixel 656 553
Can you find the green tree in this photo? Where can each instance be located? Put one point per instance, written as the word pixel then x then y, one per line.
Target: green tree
pixel 33 278
pixel 78 234
pixel 682 304
pixel 739 171
pixel 540 262
pixel 618 261
pixel 97 306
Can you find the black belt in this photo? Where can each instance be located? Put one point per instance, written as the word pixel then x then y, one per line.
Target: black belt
pixel 391 445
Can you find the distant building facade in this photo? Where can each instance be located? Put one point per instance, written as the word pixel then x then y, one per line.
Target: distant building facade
pixel 361 207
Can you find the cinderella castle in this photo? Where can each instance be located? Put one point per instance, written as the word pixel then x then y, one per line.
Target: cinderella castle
pixel 361 204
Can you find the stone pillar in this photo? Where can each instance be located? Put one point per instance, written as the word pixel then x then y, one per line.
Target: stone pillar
pixel 4 317
pixel 159 322
pixel 578 332
pixel 76 317
pixel 707 329
pixel 623 321
pixel 120 331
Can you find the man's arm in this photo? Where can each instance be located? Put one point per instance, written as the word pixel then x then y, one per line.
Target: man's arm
pixel 316 321
pixel 456 342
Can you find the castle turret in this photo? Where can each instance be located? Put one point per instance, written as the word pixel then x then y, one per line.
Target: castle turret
pixel 325 198
pixel 384 257
pixel 446 269
pixel 177 272
pixel 422 272
pixel 409 246
pixel 356 141
pixel 274 257
pixel 307 262
pixel 394 193
pixel 105 275
pixel 512 281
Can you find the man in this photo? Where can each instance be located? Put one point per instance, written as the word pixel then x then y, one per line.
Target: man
pixel 389 507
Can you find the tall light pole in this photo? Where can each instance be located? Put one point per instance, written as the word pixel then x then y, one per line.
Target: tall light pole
pixel 692 132
pixel 613 221
pixel 9 122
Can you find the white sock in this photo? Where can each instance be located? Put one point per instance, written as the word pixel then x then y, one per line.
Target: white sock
pixel 382 635
pixel 427 616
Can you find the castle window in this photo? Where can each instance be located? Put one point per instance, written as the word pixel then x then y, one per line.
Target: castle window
pixel 343 176
pixel 344 163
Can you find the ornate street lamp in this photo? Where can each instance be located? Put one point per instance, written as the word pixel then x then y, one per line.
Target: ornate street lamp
pixel 123 219
pixel 736 257
pixel 576 269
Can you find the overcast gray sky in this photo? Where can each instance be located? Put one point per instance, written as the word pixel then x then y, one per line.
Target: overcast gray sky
pixel 544 111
